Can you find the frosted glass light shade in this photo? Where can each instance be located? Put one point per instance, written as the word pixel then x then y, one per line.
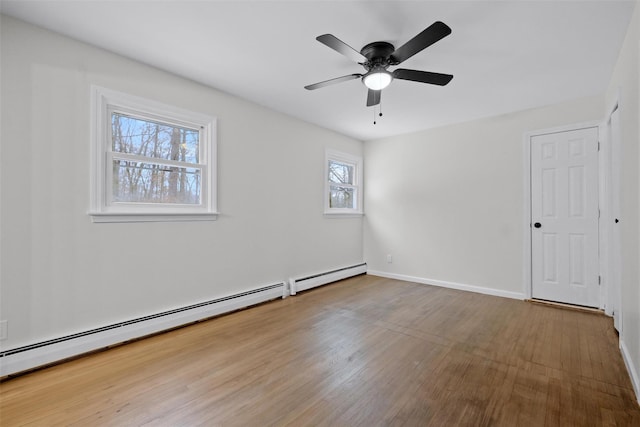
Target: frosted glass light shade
pixel 378 80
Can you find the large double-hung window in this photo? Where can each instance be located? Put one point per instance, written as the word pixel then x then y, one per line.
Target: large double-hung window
pixel 151 162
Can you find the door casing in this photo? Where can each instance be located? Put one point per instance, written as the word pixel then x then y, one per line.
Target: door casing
pixel 611 261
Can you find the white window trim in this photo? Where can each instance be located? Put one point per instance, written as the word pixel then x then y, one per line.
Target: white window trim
pixel 103 101
pixel 346 158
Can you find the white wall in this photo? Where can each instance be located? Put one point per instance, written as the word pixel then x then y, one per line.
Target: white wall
pixel 61 273
pixel 447 203
pixel 625 82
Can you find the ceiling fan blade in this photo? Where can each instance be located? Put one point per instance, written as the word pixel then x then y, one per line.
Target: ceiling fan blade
pixel 422 76
pixel 341 47
pixel 436 31
pixel 333 81
pixel 373 97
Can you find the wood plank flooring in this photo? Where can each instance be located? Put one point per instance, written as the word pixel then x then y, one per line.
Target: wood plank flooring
pixel 366 351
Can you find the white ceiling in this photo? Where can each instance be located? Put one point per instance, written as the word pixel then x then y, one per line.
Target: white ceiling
pixel 505 55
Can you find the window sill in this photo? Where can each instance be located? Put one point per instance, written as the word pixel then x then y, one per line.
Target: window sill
pixel 344 214
pixel 152 217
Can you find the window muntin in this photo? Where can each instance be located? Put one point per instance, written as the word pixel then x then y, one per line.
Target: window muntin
pixel 343 193
pixel 151 162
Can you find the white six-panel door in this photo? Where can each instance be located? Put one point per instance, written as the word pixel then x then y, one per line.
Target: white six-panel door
pixel 564 217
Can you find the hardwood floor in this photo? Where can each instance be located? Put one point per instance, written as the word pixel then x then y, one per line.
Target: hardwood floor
pixel 367 351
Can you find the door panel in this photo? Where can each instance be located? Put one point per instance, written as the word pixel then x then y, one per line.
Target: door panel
pixel 576 192
pixel 564 213
pixel 549 253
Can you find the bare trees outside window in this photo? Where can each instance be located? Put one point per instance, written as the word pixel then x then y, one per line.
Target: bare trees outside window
pixel 343 191
pixel 153 180
pixel 340 196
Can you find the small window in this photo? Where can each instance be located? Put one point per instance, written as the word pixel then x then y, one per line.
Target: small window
pixel 151 162
pixel 343 188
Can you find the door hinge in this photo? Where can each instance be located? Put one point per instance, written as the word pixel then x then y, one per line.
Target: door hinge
pixel 598 145
pixel 599 280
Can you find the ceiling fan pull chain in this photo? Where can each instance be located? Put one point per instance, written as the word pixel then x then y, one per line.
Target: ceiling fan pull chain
pixel 374 114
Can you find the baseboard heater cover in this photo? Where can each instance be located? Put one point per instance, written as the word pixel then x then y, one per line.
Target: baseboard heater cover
pixel 308 282
pixel 46 352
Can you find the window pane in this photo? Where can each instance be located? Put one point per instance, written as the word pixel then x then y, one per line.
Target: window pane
pixel 151 183
pixel 341 173
pixel 341 197
pixel 151 139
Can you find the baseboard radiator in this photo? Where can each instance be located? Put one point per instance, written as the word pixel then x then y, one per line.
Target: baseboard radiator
pixel 308 282
pixel 46 352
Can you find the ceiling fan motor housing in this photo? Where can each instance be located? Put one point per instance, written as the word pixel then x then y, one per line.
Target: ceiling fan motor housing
pixel 377 54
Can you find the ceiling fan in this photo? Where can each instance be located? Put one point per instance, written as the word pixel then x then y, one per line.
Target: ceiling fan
pixel 376 57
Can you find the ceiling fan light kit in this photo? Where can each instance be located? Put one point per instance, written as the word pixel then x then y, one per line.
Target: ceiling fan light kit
pixel 377 79
pixel 376 57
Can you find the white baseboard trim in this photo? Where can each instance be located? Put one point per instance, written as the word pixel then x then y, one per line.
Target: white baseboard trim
pixel 319 279
pixel 43 353
pixel 450 285
pixel 633 372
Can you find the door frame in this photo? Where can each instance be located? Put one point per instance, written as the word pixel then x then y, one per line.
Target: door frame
pixel 526 224
pixel 611 257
